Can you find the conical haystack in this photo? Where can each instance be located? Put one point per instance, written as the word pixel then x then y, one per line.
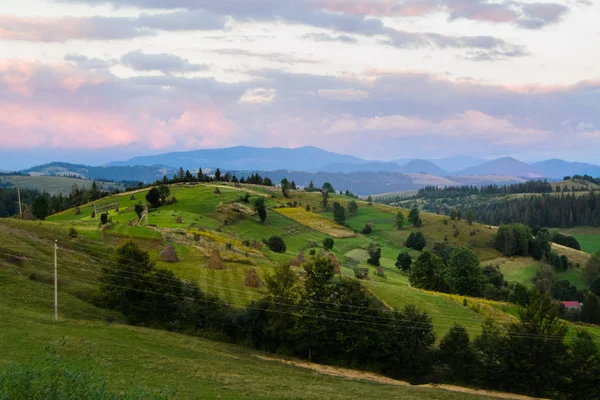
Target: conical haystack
pixel 252 279
pixel 215 261
pixel 77 211
pixel 334 261
pixel 216 191
pixel 168 254
pixel 178 220
pixel 27 215
pixel 132 197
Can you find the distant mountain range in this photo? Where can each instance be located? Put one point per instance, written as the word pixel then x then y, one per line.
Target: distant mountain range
pixel 314 161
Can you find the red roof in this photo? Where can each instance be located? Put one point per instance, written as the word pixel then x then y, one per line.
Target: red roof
pixel 571 303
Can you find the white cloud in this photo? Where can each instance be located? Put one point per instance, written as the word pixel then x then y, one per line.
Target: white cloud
pixel 258 95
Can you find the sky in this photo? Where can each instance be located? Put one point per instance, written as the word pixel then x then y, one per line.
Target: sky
pixel 93 81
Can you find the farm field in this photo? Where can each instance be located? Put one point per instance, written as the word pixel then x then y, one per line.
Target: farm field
pixel 588 237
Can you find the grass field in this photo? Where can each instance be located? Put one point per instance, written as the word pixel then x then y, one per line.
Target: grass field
pixel 191 367
pixel 588 237
pixel 55 185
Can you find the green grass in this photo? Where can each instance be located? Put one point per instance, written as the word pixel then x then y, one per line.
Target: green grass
pixel 588 237
pixel 524 269
pixel 56 185
pixel 194 367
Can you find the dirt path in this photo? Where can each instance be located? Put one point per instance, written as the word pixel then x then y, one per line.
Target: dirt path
pixel 368 376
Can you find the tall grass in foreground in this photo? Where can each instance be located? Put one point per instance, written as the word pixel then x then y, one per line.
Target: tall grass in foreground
pixel 56 377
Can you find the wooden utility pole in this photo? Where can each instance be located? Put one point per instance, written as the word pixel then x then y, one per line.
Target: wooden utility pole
pixel 55 281
pixel 19 196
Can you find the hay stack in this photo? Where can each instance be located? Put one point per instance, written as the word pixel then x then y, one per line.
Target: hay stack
pixel 173 200
pixel 380 272
pixel 334 261
pixel 132 197
pixel 77 211
pixel 168 254
pixel 300 257
pixel 252 279
pixel 216 191
pixel 178 220
pixel 117 209
pixel 215 261
pixel 27 215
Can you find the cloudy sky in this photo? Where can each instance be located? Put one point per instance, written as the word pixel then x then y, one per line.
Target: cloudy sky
pixel 94 80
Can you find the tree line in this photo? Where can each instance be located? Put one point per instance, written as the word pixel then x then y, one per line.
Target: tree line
pixel 317 314
pixel 553 211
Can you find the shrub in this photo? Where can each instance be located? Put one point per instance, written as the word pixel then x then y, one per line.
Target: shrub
pixel 367 229
pixel 73 233
pixel 404 261
pixel 276 244
pixel 361 273
pixel 153 197
pixel 104 218
pixel 416 240
pixel 328 243
pixel 374 256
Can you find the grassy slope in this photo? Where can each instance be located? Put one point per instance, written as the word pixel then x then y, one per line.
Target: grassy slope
pixel 588 237
pixel 53 184
pixel 197 208
pixel 197 368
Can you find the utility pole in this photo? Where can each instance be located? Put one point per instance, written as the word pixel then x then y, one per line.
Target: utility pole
pixel 19 195
pixel 55 281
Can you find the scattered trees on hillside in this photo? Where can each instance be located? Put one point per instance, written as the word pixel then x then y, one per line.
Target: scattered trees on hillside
pixel 464 274
pixel 261 210
pixel 428 272
pixel 416 240
pixel 276 244
pixel 414 218
pixel 400 220
pixel 339 213
pixel 39 208
pixel 352 207
pixel 404 261
pixel 513 240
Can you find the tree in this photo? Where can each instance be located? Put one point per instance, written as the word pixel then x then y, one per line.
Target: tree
pixel 414 217
pixel 307 208
pixel 339 213
pixel 285 186
pixel 457 351
pixel 400 220
pixel 276 244
pixel 464 275
pixel 374 256
pixel 132 286
pixel 470 217
pixel 218 175
pixel 592 269
pixel 188 176
pixel 259 207
pixel 200 175
pixel 564 290
pixel 416 240
pixel 540 246
pixel 404 261
pixel 153 197
pixel 370 200
pixel 590 312
pixel 536 352
pixel 328 188
pixel 352 207
pixel 164 192
pixel 595 286
pixel 584 367
pixel 544 279
pixel 39 208
pixel 513 240
pixel 139 210
pixel 453 214
pixel 428 272
pixel 180 175
pixel 367 229
pixel 328 244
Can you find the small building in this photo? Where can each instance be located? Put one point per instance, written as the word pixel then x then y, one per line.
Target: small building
pixel 571 305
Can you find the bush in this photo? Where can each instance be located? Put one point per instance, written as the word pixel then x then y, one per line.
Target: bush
pixel 404 261
pixel 328 243
pixel 416 240
pixel 361 273
pixel 374 256
pixel 73 233
pixel 276 244
pixel 564 240
pixel 367 229
pixel 104 218
pixel 153 197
